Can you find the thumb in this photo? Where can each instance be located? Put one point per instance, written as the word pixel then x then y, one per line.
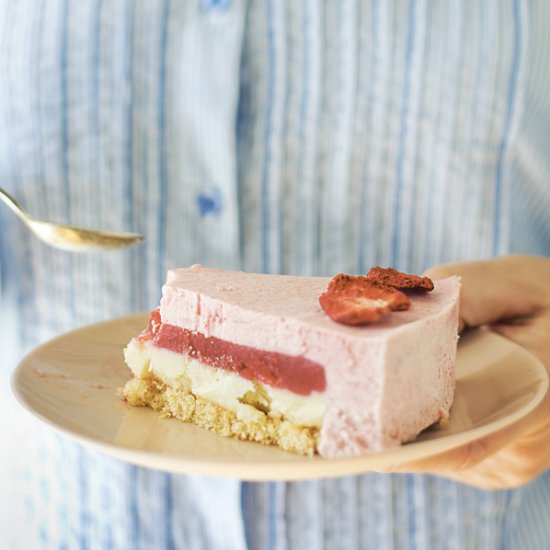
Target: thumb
pixel 496 290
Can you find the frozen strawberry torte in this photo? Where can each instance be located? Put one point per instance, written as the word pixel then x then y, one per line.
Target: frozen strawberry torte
pixel 335 367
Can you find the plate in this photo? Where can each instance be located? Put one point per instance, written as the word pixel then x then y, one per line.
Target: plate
pixel 72 383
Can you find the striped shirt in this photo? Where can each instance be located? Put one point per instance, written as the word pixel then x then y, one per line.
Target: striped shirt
pixel 288 137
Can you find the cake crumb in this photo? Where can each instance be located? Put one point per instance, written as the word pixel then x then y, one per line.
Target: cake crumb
pixel 42 374
pixel 225 287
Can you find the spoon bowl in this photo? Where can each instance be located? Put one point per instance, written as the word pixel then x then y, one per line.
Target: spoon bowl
pixel 69 237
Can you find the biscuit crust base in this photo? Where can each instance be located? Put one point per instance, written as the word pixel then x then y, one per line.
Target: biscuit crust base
pixel 187 407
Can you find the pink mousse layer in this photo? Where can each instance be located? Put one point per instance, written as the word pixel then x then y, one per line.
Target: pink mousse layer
pixel 384 382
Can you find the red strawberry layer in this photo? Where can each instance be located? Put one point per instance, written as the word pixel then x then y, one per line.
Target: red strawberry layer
pixel 297 374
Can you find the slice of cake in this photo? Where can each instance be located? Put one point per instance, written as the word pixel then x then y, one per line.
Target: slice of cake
pixel 256 357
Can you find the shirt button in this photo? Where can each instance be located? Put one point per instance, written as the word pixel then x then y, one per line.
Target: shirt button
pixel 210 203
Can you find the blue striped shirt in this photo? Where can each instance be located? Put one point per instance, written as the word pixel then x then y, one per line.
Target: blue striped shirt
pixel 288 137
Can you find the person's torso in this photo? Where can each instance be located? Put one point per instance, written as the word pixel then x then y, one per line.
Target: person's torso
pixel 307 138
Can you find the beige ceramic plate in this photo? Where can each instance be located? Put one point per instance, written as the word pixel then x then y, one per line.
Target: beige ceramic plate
pixel 71 383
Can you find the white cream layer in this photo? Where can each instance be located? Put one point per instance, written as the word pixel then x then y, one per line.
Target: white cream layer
pixel 222 387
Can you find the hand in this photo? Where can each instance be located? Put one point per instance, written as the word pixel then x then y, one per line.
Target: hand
pixel 511 295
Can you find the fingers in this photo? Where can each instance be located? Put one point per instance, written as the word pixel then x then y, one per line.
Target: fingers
pixel 530 333
pixel 489 462
pixel 499 289
pixel 506 459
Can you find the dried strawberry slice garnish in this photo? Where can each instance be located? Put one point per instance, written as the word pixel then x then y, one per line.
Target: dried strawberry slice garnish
pixel 349 284
pixel 357 300
pixel 353 309
pixel 346 283
pixel 397 279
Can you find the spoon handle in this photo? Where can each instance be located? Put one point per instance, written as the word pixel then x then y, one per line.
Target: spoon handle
pixel 13 205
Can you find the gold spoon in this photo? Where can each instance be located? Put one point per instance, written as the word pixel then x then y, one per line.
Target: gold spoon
pixel 69 237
